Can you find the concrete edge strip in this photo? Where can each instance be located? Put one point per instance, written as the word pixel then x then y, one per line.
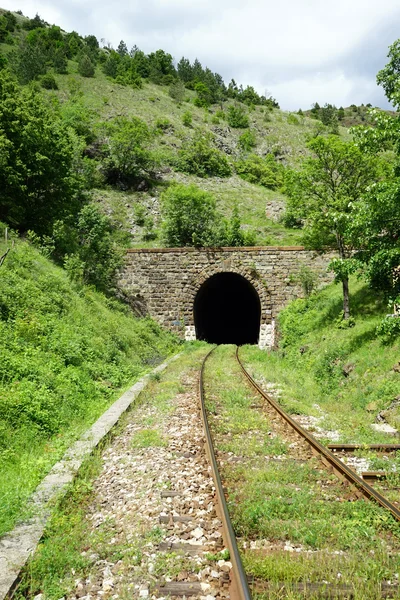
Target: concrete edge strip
pixel 20 543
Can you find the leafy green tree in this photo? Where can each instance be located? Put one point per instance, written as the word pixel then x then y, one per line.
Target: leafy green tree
pixel 122 48
pixel 265 171
pixel 38 161
pixel 177 91
pixel 203 97
pixel 247 140
pixel 237 116
pixel 198 157
pixel 235 236
pixel 189 216
pixel 185 71
pixel 93 255
pixel 128 155
pixel 35 23
pixel 85 66
pixel 29 61
pixel 325 194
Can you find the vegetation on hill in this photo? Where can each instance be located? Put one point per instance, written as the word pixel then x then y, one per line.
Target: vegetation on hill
pixel 343 375
pixel 67 351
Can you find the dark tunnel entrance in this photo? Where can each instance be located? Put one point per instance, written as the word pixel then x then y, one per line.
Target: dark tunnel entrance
pixel 227 310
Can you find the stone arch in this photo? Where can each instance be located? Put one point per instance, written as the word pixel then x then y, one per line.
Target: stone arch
pixel 267 325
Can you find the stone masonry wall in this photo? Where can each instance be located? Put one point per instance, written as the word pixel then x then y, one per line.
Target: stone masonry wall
pixel 163 282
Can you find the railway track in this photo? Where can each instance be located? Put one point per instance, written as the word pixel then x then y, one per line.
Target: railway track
pixel 157 512
pixel 240 583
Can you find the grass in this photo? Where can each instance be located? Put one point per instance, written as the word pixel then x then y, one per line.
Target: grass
pixel 55 566
pixel 274 133
pixel 308 526
pixel 345 373
pixel 66 354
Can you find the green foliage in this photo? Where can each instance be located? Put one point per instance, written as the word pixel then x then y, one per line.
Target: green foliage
pixel 48 82
pixel 247 140
pixel 325 195
pixel 187 118
pixel 177 91
pixel 85 66
pixel 389 328
pixel 64 356
pixel 203 97
pixel 89 249
pixel 198 157
pixel 237 116
pixel 263 171
pixel 189 216
pixel 293 120
pixel 234 234
pixel 128 153
pixel 163 124
pixel 38 161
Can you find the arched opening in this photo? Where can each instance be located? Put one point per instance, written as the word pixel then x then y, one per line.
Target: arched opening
pixel 227 310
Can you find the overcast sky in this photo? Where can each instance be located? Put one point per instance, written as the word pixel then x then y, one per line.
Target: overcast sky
pixel 300 51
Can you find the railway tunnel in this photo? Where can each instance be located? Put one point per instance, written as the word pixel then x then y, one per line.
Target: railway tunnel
pixel 227 310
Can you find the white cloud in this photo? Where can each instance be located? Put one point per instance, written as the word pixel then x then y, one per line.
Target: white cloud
pixel 301 50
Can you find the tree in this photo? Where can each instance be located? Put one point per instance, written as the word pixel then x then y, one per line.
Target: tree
pixel 189 216
pixel 177 91
pixel 38 161
pixel 85 66
pixel 325 194
pixel 203 98
pixel 92 256
pixel 198 157
pixel 237 116
pixel 122 48
pixel 129 155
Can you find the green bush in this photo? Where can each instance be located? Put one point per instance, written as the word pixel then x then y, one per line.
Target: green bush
pixel 163 124
pixel 39 174
pixel 198 157
pixel 189 216
pixel 187 118
pixel 85 66
pixel 64 356
pixel 263 171
pixel 293 120
pixel 237 116
pixel 247 140
pixel 128 153
pixel 48 82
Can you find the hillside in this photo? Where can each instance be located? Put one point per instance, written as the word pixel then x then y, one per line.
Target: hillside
pixel 67 352
pixel 90 103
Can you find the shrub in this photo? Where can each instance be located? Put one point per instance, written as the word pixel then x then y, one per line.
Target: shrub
pixel 237 117
pixel 264 171
pixel 163 124
pixel 189 216
pixel 129 156
pixel 177 91
pixel 293 120
pixel 247 140
pixel 198 157
pixel 85 66
pixel 187 118
pixel 48 82
pixel 38 161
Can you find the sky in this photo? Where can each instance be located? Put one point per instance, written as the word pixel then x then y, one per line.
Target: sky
pixel 298 51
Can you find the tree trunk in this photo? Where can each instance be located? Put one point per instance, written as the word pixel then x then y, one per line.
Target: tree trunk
pixel 346 300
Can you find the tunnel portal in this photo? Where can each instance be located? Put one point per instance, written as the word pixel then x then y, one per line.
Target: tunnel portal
pixel 227 310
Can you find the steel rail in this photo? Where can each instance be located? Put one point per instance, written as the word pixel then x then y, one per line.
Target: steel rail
pixel 329 458
pixel 239 585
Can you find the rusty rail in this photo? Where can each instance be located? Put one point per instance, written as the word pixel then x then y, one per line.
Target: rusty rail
pixel 239 589
pixel 342 470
